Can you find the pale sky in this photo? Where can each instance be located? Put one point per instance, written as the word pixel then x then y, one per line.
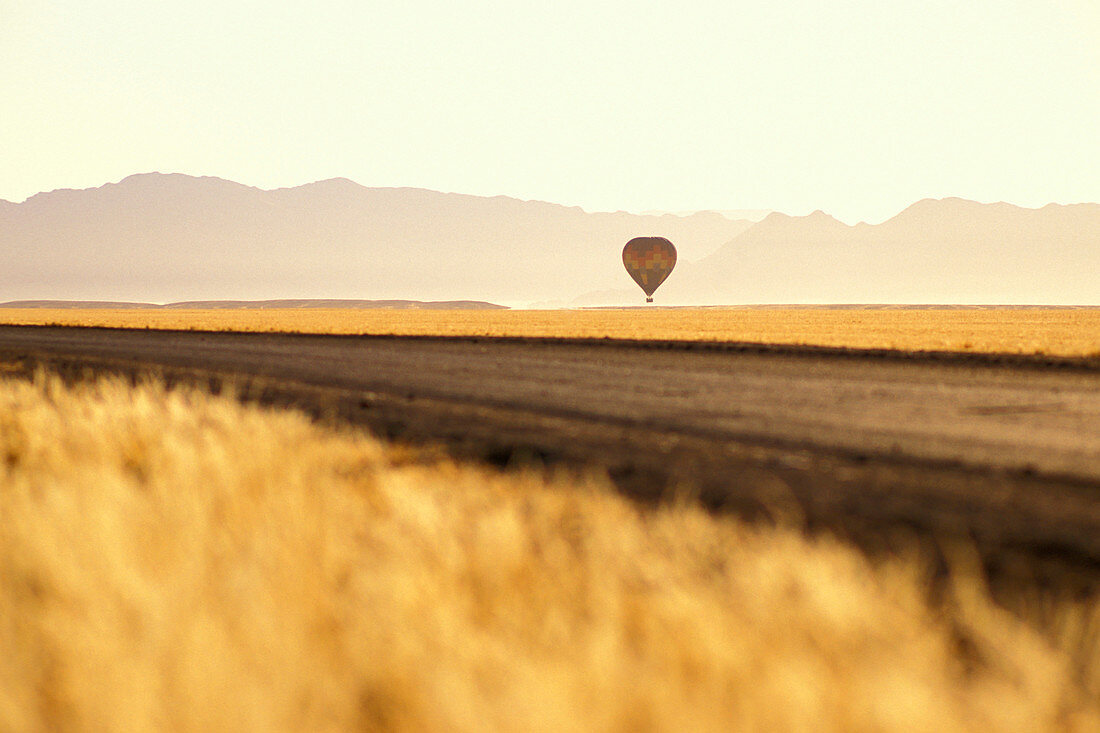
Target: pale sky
pixel 858 108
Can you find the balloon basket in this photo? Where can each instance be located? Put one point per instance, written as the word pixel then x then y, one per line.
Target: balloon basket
pixel 649 300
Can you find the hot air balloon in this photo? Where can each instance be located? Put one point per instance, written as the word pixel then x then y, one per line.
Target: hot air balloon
pixel 649 260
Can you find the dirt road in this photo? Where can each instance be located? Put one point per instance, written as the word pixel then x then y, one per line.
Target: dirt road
pixel 879 447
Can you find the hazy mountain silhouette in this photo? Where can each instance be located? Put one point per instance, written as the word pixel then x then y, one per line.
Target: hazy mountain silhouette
pixel 173 237
pixel 161 237
pixel 935 251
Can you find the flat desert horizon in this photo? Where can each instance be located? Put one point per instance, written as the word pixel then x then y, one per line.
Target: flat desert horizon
pixel 1051 331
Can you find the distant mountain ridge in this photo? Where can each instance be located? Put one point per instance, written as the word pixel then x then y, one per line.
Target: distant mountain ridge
pixel 172 237
pixel 935 251
pixel 159 237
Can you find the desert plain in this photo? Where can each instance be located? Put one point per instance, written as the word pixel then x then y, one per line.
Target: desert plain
pixel 171 555
pixel 1012 330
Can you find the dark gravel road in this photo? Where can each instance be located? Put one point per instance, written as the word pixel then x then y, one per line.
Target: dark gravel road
pixel 883 448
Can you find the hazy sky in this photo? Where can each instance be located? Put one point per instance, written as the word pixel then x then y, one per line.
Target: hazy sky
pixel 858 108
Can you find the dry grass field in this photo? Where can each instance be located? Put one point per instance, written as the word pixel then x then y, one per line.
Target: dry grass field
pixel 1064 332
pixel 175 561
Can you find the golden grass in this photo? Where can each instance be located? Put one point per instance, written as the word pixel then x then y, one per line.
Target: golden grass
pixel 1071 332
pixel 170 560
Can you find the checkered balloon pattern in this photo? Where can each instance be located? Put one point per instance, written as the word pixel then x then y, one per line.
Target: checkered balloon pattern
pixel 649 260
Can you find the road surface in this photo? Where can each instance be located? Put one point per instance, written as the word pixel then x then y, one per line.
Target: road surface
pixel 880 447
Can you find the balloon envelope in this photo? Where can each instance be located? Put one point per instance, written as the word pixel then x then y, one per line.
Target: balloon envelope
pixel 649 260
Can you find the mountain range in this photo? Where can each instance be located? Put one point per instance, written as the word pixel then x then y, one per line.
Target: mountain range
pixel 160 237
pixel 169 237
pixel 936 251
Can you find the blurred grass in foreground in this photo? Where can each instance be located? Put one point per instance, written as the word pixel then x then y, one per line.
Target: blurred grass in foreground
pixel 1063 332
pixel 171 560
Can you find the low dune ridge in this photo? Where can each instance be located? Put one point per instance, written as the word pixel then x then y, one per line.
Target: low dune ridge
pixel 300 303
